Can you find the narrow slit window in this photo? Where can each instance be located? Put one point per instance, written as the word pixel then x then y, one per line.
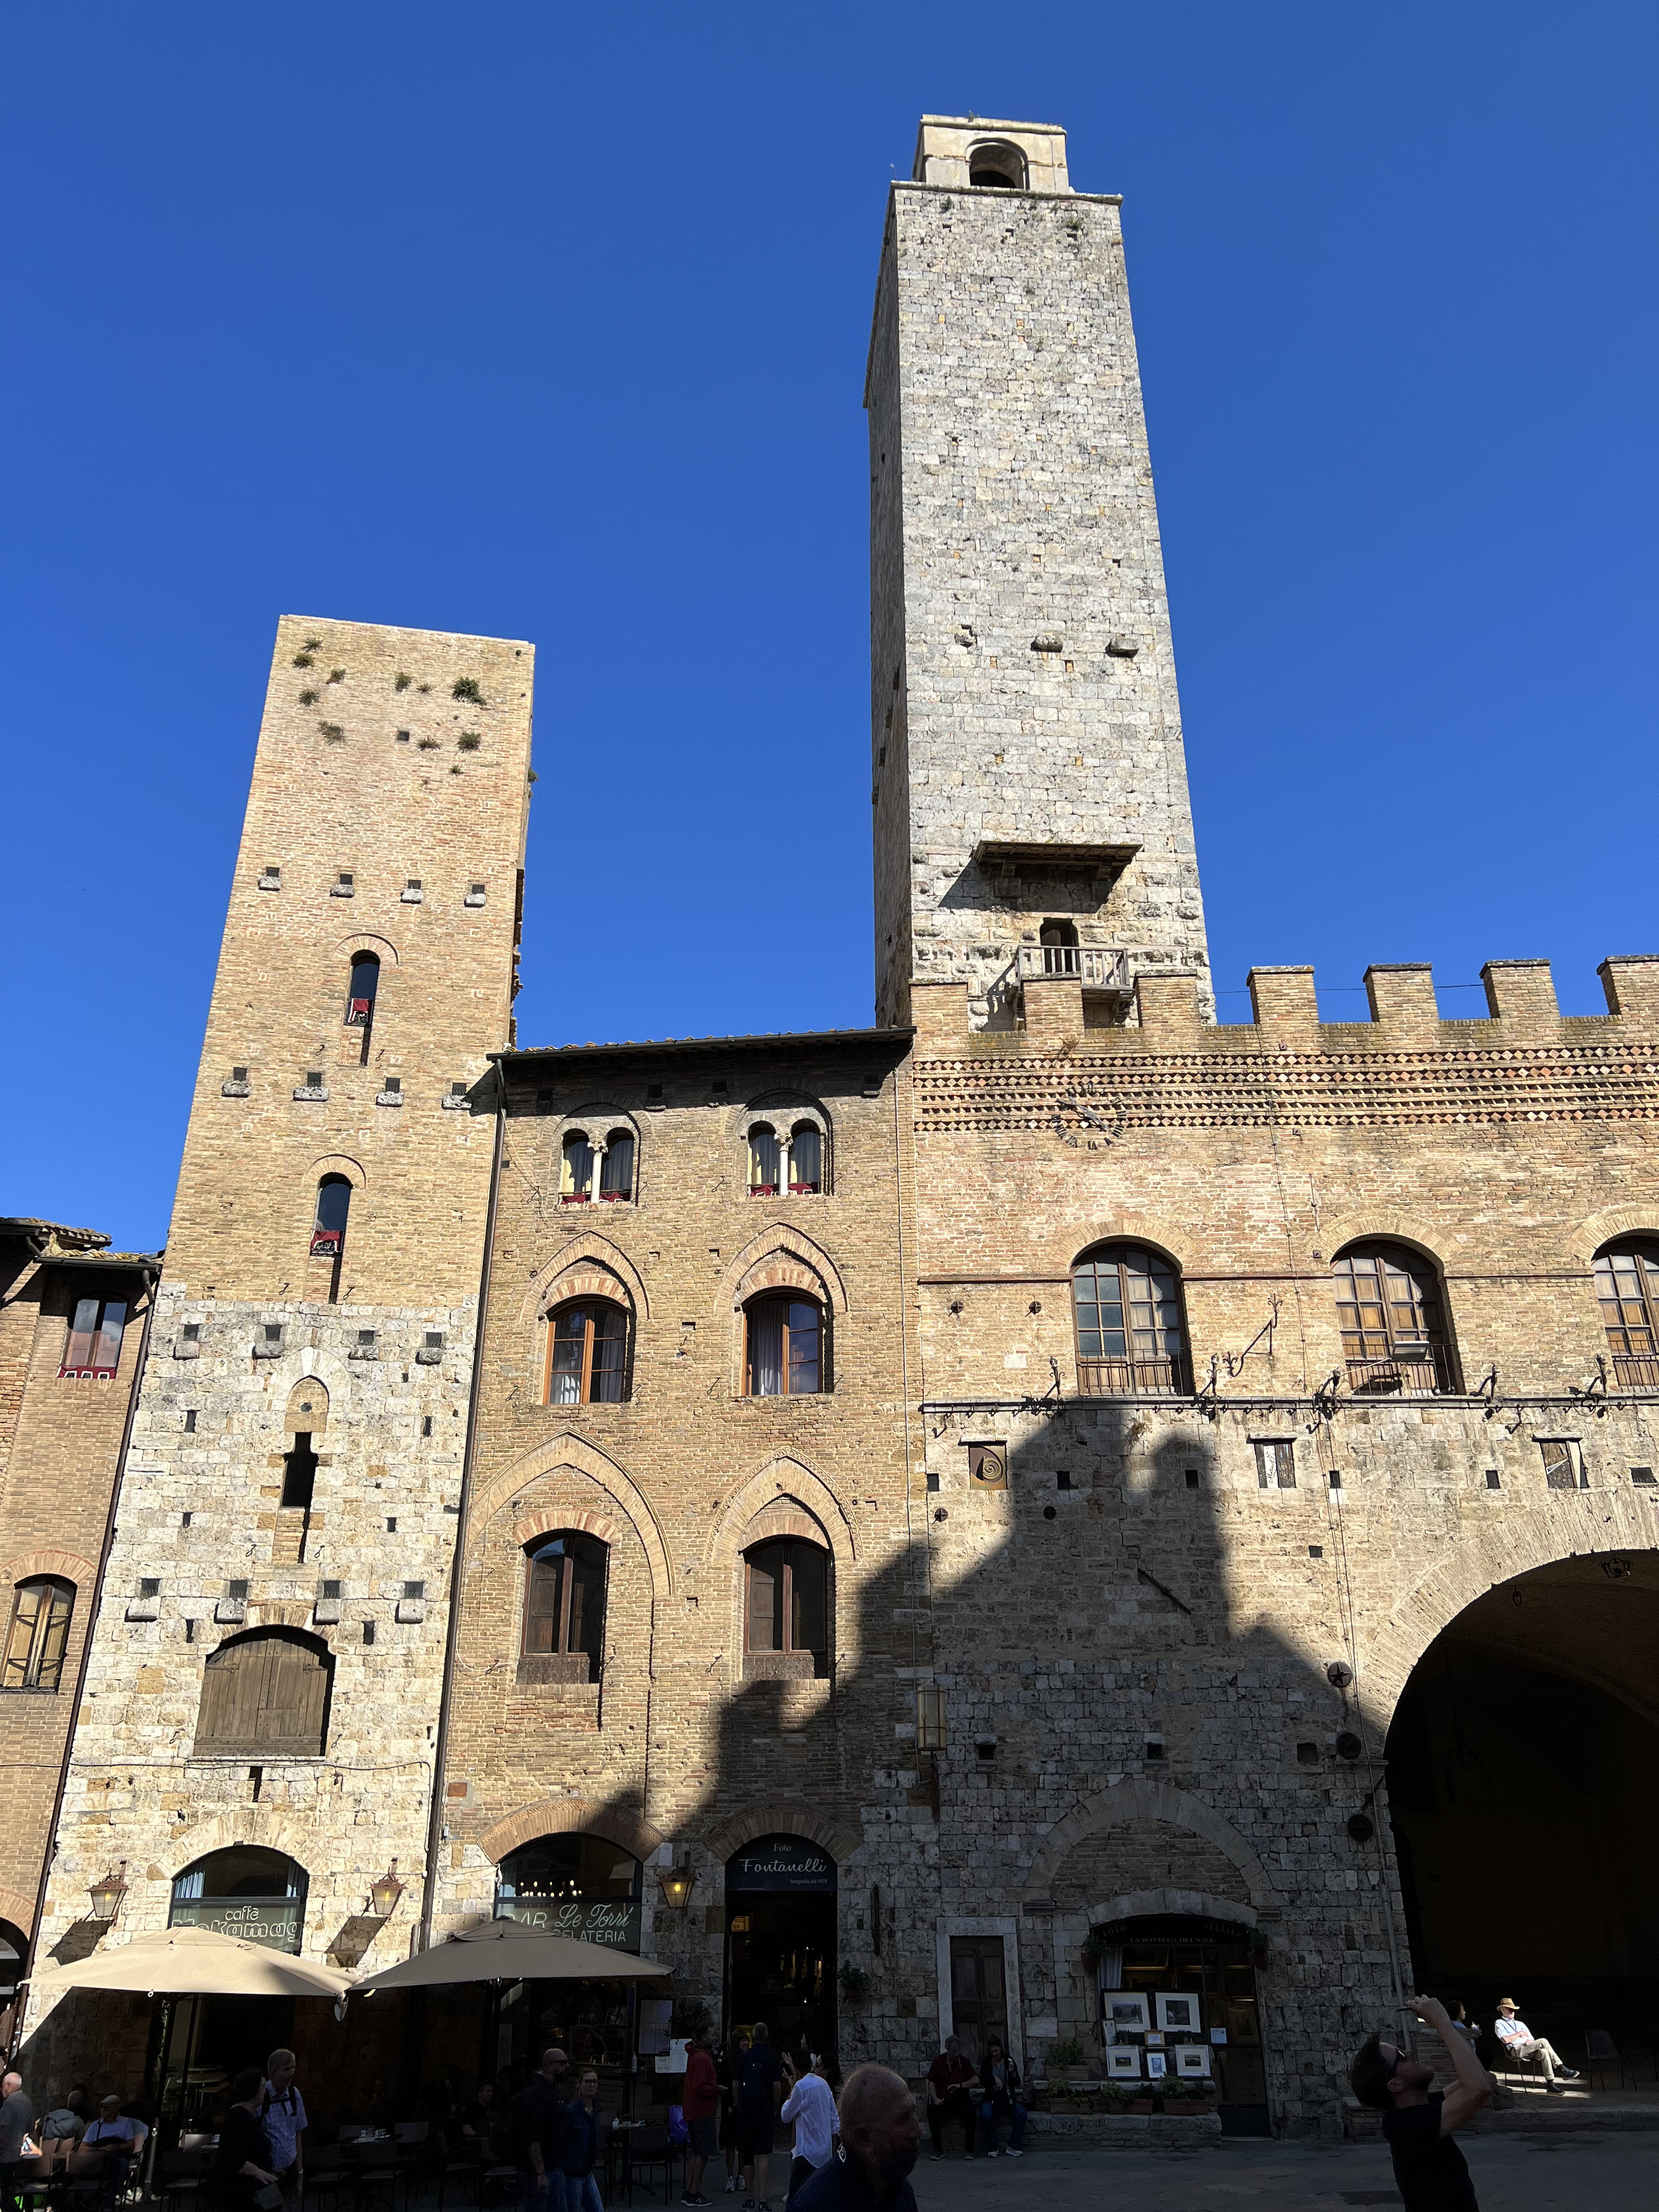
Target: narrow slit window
pixel 576 1170
pixel 762 1161
pixel 333 1206
pixel 617 1169
pixel 362 990
pixel 806 1161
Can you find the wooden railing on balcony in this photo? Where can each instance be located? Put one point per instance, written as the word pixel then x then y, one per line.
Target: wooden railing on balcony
pixel 1097 968
pixel 1134 1378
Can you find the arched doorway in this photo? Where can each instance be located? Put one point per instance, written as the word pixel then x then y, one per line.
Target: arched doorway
pixel 14 1965
pixel 1524 1780
pixel 1181 1992
pixel 199 2044
pixel 780 1940
pixel 582 1886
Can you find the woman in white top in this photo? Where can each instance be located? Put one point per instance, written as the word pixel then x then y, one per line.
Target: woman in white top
pixel 811 2106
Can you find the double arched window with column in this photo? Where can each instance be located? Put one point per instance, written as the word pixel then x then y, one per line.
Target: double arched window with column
pixel 1628 1290
pixel 1392 1315
pixel 607 1164
pixel 1130 1332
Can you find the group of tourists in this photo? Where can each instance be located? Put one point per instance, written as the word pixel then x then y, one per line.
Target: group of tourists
pixel 980 2097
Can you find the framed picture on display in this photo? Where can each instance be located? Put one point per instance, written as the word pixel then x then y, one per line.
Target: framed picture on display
pixel 1123 2063
pixel 1156 2065
pixel 1193 2061
pixel 1126 2011
pixel 1178 2012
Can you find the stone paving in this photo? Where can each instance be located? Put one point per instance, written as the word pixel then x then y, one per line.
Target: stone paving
pixel 1519 2173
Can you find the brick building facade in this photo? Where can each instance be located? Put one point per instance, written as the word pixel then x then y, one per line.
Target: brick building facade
pixel 970 1496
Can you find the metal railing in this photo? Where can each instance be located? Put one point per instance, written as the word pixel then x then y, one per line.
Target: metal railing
pixel 1635 1371
pixel 1097 968
pixel 1135 1378
pixel 1426 1374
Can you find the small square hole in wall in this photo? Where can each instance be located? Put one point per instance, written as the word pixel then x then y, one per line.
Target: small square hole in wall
pixel 403 737
pixel 313 1078
pixel 426 1424
pixel 390 1525
pixel 150 1586
pixel 1063 1479
pixel 190 1422
pixel 1334 1480
pixel 333 1589
pixel 1315 1551
pixel 1494 1481
pixel 192 1332
pixel 185 1518
pixel 1189 1476
pixel 1307 1754
pixel 414 1590
pixel 237 1591
pixel 1642 1477
pixel 985 1748
pixel 239 1075
pixel 369 1631
pixel 1154 1746
pixel 933 1479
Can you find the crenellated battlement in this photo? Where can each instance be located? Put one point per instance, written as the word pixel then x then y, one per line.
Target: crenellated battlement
pixel 1405 1016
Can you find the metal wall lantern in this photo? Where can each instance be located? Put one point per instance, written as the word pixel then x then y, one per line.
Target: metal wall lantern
pixel 107 1895
pixel 677 1883
pixel 384 1891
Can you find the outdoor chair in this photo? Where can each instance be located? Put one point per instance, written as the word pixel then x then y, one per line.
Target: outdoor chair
pixel 461 2170
pixel 324 2175
pixel 183 2178
pixel 35 2178
pixel 1601 2051
pixel 374 2170
pixel 644 2149
pixel 500 2182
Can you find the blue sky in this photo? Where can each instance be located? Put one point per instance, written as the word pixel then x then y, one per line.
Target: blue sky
pixel 515 319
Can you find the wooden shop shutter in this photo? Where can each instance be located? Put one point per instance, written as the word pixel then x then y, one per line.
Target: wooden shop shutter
pixel 265 1695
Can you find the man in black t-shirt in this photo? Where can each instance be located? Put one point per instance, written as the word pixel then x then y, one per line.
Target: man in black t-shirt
pixel 757 2073
pixel 1418 2122
pixel 535 2127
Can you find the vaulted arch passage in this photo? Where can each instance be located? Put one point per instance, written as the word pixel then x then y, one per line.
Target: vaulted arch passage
pixel 1524 1788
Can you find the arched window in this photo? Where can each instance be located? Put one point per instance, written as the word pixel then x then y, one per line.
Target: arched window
pixel 786 1602
pixel 247 1891
pixel 589 1888
pixel 576 1170
pixel 265 1695
pixel 40 1610
pixel 806 1160
pixel 586 1354
pixel 1388 1307
pixel 1060 949
pixel 333 1205
pixel 617 1169
pixel 14 1952
pixel 1131 1336
pixel 564 1603
pixel 1627 1286
pixel 763 1150
pixel 783 1355
pixel 362 990
pixel 1000 167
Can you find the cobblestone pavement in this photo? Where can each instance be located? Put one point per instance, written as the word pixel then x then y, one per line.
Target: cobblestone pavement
pixel 1609 2173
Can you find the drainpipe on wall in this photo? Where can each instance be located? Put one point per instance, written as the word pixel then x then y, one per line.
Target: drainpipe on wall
pixel 452 1637
pixel 20 2011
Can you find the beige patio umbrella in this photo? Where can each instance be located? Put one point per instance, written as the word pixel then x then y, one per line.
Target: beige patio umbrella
pixel 506 1951
pixel 195 1962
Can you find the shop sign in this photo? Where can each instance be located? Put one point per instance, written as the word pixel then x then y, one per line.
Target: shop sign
pixel 788 1863
pixel 273 1921
pixel 612 1921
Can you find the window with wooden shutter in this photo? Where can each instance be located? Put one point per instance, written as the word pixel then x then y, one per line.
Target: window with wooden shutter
pixel 265 1695
pixel 786 1606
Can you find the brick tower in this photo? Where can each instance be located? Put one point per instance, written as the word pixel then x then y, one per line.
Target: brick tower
pixel 1029 788
pixel 267 1671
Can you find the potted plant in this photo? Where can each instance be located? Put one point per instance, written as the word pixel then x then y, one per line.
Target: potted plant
pixel 854 1983
pixel 1067 2059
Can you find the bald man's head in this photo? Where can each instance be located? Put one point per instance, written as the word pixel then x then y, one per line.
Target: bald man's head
pixel 878 2124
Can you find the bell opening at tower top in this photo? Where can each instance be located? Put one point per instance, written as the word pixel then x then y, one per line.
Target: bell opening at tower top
pixel 997 167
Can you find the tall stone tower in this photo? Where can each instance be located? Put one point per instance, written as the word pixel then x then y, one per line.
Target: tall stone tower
pixel 1031 815
pixel 267 1669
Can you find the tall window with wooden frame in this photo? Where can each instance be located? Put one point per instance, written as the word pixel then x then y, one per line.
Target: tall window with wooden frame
pixel 1131 1331
pixel 1627 1289
pixel 586 1354
pixel 617 1169
pixel 92 1350
pixel 265 1695
pixel 806 1160
pixel 1389 1309
pixel 362 988
pixel 328 1229
pixel 37 1634
pixel 765 1156
pixel 564 1607
pixel 576 1169
pixel 787 1609
pixel 784 1348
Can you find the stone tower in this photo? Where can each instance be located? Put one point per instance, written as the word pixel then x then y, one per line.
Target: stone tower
pixel 1030 789
pixel 268 1666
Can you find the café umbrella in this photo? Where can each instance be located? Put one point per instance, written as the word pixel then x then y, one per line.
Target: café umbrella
pixel 195 1962
pixel 506 1951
